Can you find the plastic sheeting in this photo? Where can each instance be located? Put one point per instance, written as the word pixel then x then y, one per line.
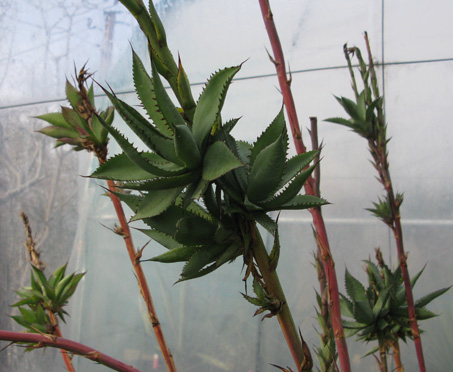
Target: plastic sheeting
pixel 207 323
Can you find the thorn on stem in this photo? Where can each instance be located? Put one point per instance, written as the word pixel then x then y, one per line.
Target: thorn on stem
pixel 272 59
pixel 139 253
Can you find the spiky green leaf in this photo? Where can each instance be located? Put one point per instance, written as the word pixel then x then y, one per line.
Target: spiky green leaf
pixel 59 132
pixel 56 119
pixel 354 288
pixel 269 136
pixel 218 161
pixel 267 170
pixel 210 103
pixel 304 202
pixel 197 265
pixel 169 111
pixel 156 202
pixel 121 168
pixel 425 300
pixel 186 148
pixel 179 254
pixel 163 239
pixel 144 88
pixel 138 157
pixel 289 193
pixel 73 96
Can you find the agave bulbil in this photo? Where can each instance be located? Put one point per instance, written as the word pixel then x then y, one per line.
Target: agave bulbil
pixel 79 125
pixel 380 311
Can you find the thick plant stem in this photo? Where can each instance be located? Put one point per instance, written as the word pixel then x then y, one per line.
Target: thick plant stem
pixel 299 350
pixel 397 356
pixel 42 340
pixel 398 234
pixel 141 279
pixel 318 220
pixel 382 357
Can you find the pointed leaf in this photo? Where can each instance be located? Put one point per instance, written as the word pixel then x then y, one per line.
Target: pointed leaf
pixel 229 254
pixel 186 148
pixel 304 202
pixel 98 130
pixel 423 314
pixel 150 136
pixel 121 168
pixel 56 119
pixel 275 253
pixel 169 111
pixel 196 266
pixel 163 239
pixel 144 87
pixel 179 254
pixel 218 161
pixel 162 183
pixel 351 108
pixel 156 202
pixel 131 200
pixel 269 136
pixel 267 170
pixel 259 291
pixel 341 121
pixel 184 91
pixel 134 155
pixel 425 300
pixel 296 164
pixel 72 94
pixel 57 275
pixel 346 307
pixel 253 300
pixel 58 132
pixel 289 193
pixel 354 288
pixel 210 103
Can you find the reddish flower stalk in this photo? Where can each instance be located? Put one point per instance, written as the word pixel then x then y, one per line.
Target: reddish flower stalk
pixel 57 332
pixel 141 279
pixel 42 340
pixel 318 220
pixel 124 231
pixel 379 152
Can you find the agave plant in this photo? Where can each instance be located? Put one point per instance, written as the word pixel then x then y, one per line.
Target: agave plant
pixel 200 190
pixel 44 295
pixel 197 184
pixel 380 311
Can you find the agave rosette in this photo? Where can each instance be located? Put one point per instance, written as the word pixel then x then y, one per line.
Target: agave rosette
pixel 380 310
pixel 196 186
pixel 269 181
pixel 182 155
